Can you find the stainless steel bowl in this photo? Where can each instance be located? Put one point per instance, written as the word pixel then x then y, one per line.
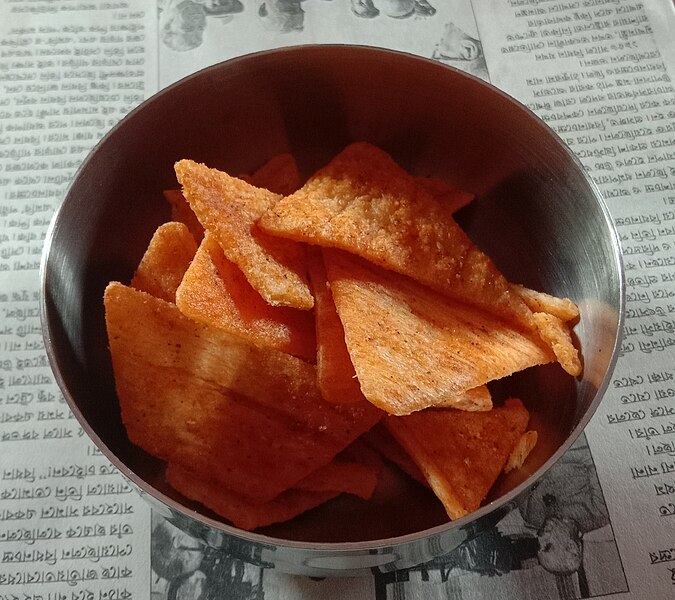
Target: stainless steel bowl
pixel 537 214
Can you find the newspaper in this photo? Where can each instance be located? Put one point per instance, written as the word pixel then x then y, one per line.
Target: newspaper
pixel 598 71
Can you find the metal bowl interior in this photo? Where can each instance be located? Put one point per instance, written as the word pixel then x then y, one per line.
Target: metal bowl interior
pixel 537 214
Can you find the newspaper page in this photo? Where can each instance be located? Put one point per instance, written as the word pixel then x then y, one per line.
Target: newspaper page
pixel 70 524
pixel 599 72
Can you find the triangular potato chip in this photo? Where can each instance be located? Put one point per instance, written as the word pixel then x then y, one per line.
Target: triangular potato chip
pixel 229 208
pixel 553 317
pixel 181 212
pixel 251 418
pixel 445 194
pixel 461 453
pixel 214 291
pixel 381 440
pixel 337 477
pixel 557 335
pixel 562 308
pixel 164 263
pixel 279 175
pixel 363 202
pixel 362 453
pixel 241 512
pixel 344 477
pixel 476 399
pixel 335 373
pixel 519 454
pixel 336 376
pixel 413 348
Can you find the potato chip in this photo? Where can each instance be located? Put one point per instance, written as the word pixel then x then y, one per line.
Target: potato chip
pixel 381 440
pixel 214 291
pixel 212 353
pixel 413 348
pixel 478 399
pixel 363 202
pixel 251 418
pixel 241 512
pixel 181 212
pixel 552 318
pixel 524 446
pixel 279 175
pixel 345 477
pixel 360 452
pixel 445 194
pixel 562 308
pixel 336 376
pixel 461 453
pixel 557 335
pixel 335 373
pixel 164 263
pixel 229 208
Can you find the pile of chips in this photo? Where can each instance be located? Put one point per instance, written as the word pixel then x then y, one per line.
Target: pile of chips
pixel 276 332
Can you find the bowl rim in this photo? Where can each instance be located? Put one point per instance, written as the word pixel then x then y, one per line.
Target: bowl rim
pixel 333 547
